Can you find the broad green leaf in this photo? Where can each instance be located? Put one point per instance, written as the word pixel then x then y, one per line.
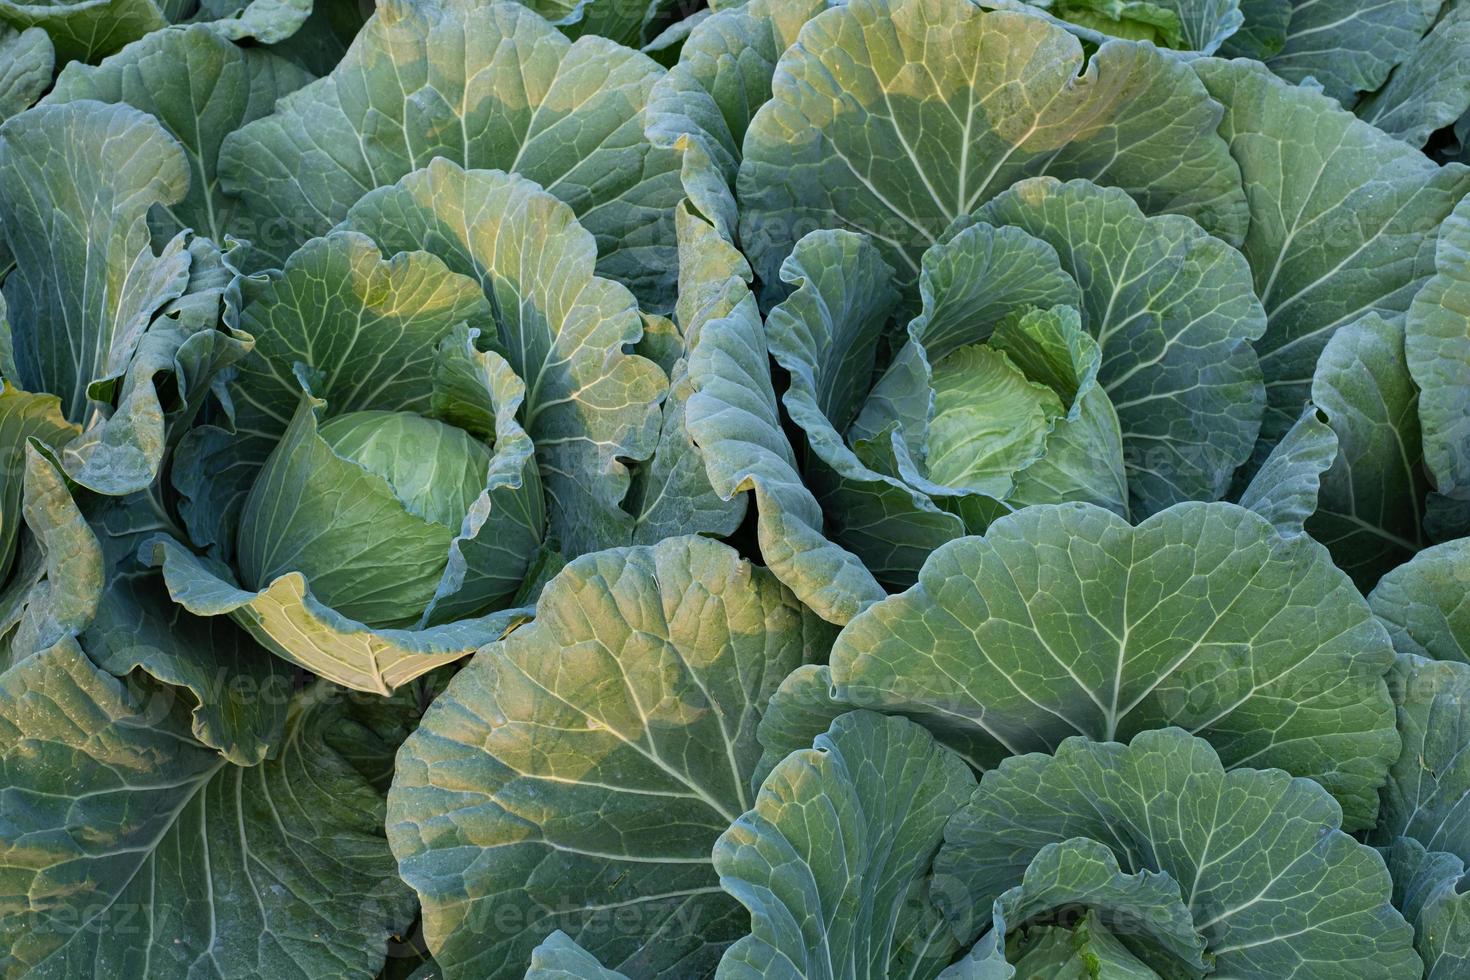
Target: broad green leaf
pixel 733 417
pixel 76 185
pixel 1437 346
pixel 240 690
pixel 730 58
pixel 1431 88
pixel 1065 620
pixel 26 61
pixel 201 88
pixel 86 30
pixel 1370 511
pixel 1425 603
pixel 847 828
pixel 483 86
pixel 624 21
pixel 565 331
pixel 1262 31
pixel 130 850
pixel 1429 889
pixel 894 117
pixel 1284 490
pixel 1349 46
pixel 1427 796
pixel 560 958
pixel 577 774
pixel 1173 310
pixel 1187 25
pixel 266 21
pixel 1273 886
pixel 1341 220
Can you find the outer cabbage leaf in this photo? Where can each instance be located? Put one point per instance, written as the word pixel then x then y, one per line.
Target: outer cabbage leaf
pixel 847 827
pixel 894 117
pixel 734 418
pixel 1284 490
pixel 560 958
pixel 1064 620
pixel 241 692
pixel 1341 219
pixel 76 185
pixel 1348 46
pixel 1425 603
pixel 1429 888
pixel 1431 88
pixel 86 30
pixel 1273 886
pixel 201 88
pixel 1263 31
pixel 130 850
pixel 1437 346
pixel 484 86
pixel 565 331
pixel 1370 512
pixel 724 72
pixel 579 771
pixel 26 62
pixel 1427 796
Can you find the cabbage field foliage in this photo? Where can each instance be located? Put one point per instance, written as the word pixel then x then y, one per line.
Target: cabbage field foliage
pixel 667 489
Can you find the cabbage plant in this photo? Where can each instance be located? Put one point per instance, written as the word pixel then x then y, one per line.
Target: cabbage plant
pixel 759 488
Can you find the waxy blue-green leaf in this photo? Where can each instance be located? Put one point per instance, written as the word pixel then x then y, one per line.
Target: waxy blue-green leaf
pixel 1437 346
pixel 560 958
pixel 86 30
pixel 201 88
pixel 1273 886
pixel 1350 46
pixel 1427 796
pixel 76 185
pixel 734 418
pixel 1173 310
pixel 577 774
pixel 240 691
pixel 1429 888
pixel 1087 949
pixel 1430 89
pixel 1284 490
pixel 1425 603
pixel 847 829
pixel 894 117
pixel 1065 620
pixel 1342 217
pixel 1370 510
pixel 26 62
pixel 130 850
pixel 565 331
pixel 483 86
pixel 1263 31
